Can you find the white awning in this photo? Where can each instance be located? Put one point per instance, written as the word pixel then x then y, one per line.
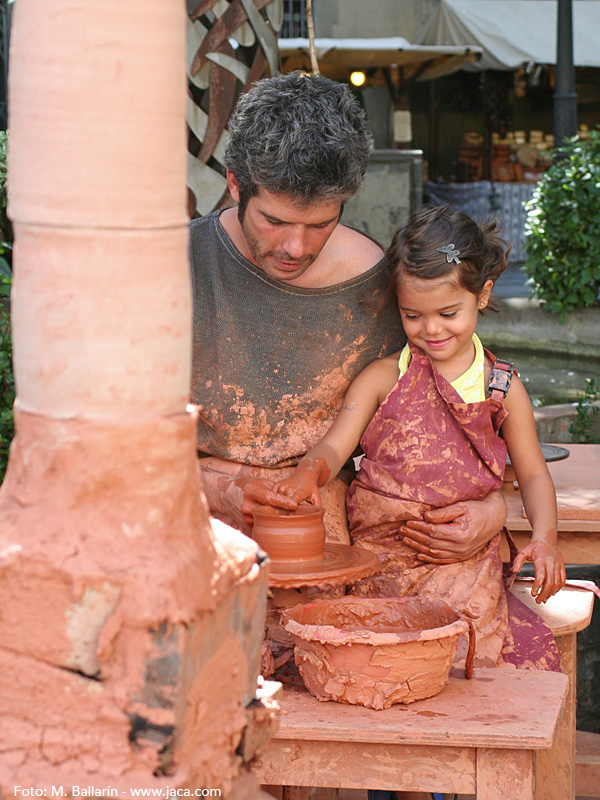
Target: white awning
pixel 337 56
pixel 513 32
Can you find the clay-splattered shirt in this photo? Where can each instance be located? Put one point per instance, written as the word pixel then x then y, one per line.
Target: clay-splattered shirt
pixel 272 362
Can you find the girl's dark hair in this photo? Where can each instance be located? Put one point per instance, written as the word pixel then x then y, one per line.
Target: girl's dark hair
pixel 413 250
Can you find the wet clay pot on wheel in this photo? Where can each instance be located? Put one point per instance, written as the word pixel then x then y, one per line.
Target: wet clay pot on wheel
pixel 290 536
pixel 377 651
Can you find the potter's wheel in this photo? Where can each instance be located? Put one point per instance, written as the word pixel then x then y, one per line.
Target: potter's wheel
pixel 339 564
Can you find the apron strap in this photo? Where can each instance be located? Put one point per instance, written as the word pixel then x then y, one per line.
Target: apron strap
pixel 500 378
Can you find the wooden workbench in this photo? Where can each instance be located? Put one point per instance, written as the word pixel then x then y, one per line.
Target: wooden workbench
pixel 577 483
pixel 567 613
pixel 475 736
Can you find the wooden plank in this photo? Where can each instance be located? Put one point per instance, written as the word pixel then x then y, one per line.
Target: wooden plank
pixel 497 708
pixel 516 521
pixel 355 765
pixel 309 793
pixel 573 503
pixel 503 774
pixel 576 546
pixel 578 473
pixel 555 771
pixel 274 791
pixel 581 468
pixel 566 613
pixel 569 611
pixel 578 503
pixel 587 764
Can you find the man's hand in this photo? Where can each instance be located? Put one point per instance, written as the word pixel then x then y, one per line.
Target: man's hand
pixel 455 533
pixel 246 493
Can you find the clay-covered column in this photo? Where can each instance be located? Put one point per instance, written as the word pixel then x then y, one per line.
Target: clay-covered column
pixel 130 631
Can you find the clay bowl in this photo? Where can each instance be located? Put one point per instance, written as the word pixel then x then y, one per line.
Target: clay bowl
pixel 376 651
pixel 290 536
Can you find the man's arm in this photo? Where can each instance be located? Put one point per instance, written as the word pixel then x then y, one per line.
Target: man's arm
pixel 457 532
pixel 233 497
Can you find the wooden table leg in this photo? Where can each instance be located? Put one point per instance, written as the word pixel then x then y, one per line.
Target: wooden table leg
pixel 587 764
pixel 556 767
pixel 310 793
pixel 503 774
pixel 274 791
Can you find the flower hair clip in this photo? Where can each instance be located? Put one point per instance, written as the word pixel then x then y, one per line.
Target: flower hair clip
pixel 450 253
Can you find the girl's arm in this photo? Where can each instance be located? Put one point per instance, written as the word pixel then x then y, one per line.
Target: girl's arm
pixel 323 462
pixel 537 490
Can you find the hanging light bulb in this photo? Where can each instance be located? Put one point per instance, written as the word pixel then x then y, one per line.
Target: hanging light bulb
pixel 357 78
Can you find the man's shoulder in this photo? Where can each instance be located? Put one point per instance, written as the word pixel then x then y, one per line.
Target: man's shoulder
pixel 356 251
pixel 200 224
pixel 203 238
pixel 360 247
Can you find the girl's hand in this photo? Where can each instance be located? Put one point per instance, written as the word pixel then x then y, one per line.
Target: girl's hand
pixel 302 485
pixel 550 575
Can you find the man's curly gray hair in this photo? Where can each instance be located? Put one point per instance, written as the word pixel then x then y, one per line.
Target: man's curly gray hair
pixel 301 135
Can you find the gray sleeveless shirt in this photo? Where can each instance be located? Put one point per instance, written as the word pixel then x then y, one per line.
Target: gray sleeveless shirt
pixel 272 362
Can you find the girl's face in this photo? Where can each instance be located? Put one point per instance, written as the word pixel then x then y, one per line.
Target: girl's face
pixel 440 316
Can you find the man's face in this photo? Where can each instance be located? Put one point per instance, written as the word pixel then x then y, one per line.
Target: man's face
pixel 284 239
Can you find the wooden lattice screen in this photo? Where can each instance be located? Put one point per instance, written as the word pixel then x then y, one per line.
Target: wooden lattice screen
pixel 230 45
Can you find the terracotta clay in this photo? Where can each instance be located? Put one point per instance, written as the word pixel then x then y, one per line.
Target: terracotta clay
pixel 340 565
pixel 290 536
pixel 300 556
pixel 131 625
pixel 376 651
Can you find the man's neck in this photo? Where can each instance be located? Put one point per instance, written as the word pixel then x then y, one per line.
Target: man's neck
pixel 231 223
pixel 346 255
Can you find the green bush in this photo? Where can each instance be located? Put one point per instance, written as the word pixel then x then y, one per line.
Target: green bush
pixel 6 233
pixel 7 392
pixel 7 381
pixel 581 429
pixel 562 230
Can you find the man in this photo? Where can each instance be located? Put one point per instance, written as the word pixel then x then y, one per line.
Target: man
pixel 289 305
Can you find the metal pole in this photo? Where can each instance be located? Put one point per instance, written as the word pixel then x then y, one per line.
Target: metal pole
pixel 565 97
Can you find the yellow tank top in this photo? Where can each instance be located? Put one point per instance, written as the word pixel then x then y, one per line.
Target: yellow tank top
pixel 471 384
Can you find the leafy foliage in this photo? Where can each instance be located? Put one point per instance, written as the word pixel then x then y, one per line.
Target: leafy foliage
pixel 7 381
pixel 7 391
pixel 562 230
pixel 587 413
pixel 6 234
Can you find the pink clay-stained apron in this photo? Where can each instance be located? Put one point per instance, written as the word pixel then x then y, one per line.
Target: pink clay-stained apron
pixel 426 448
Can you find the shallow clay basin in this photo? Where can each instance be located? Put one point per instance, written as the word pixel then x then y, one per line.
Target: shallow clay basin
pixel 376 651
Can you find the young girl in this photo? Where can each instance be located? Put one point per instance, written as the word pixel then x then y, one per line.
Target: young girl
pixel 429 430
